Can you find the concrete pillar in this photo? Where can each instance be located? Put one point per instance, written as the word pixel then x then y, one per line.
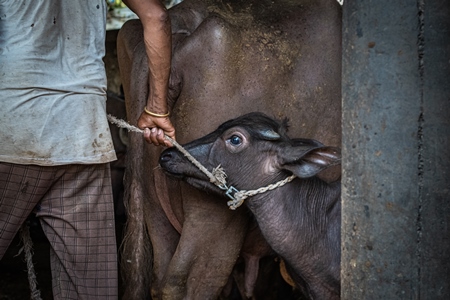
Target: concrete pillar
pixel 396 150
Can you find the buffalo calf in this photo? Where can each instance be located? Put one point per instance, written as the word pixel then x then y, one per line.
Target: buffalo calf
pixel 299 219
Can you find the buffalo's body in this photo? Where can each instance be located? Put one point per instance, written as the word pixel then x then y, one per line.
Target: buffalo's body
pixel 229 58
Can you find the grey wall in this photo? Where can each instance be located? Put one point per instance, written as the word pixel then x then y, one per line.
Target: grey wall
pixel 396 150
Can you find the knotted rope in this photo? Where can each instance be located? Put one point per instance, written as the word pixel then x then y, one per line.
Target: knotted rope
pixel 240 196
pixel 217 176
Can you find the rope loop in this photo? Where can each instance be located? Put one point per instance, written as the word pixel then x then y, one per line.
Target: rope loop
pixel 240 196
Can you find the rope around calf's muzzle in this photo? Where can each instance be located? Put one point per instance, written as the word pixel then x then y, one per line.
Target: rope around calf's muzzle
pixel 217 176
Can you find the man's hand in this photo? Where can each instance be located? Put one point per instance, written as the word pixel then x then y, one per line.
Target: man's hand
pixel 155 128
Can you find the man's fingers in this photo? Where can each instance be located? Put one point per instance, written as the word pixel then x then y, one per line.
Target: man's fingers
pixel 156 136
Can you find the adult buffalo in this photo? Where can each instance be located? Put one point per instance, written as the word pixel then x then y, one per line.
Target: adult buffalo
pixel 229 58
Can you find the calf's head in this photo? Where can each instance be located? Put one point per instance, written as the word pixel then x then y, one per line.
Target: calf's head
pixel 254 151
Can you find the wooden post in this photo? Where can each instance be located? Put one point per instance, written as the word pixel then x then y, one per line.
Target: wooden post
pixel 396 150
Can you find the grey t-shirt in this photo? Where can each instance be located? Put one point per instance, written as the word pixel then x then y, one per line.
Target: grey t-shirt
pixel 53 82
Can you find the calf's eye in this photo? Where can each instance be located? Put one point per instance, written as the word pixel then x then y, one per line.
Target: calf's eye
pixel 235 140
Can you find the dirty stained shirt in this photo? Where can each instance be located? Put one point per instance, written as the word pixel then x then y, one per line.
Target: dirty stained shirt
pixel 53 83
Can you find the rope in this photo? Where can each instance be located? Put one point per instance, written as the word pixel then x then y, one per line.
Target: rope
pixel 28 247
pixel 217 176
pixel 240 196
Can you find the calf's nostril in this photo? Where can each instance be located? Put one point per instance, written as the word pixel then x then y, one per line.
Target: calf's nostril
pixel 165 157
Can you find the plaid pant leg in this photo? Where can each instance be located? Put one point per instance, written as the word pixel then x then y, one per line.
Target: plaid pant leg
pixel 77 216
pixel 21 188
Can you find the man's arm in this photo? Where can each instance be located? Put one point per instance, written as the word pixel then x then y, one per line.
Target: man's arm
pixel 158 46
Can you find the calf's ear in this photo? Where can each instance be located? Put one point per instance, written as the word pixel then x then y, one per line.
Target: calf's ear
pixel 312 161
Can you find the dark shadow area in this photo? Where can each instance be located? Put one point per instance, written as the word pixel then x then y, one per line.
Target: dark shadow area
pixel 13 269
